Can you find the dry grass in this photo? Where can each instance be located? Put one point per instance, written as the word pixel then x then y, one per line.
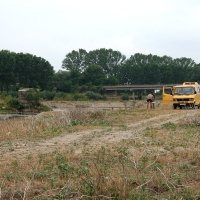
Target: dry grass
pixel 161 162
pixel 50 124
pixel 43 125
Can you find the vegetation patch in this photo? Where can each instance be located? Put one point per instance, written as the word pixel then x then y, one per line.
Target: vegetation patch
pixel 114 154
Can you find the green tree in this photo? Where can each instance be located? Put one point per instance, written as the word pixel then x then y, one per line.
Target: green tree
pixel 7 70
pixel 182 68
pixel 33 71
pixel 62 81
pixel 112 80
pixel 184 62
pixel 142 59
pixel 23 69
pixel 131 72
pixel 42 72
pixel 126 74
pixel 108 59
pixel 193 74
pixel 94 74
pixel 75 60
pixel 166 74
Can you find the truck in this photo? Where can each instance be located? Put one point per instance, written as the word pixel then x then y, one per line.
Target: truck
pixel 185 95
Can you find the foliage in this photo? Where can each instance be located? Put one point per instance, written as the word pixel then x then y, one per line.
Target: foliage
pixel 138 69
pixel 80 97
pixel 5 95
pixel 47 95
pixel 95 96
pixel 43 108
pixel 112 80
pixel 94 74
pixel 75 60
pixel 33 97
pixel 108 59
pixel 124 96
pixel 24 70
pixel 62 96
pixel 33 71
pixel 7 69
pixel 62 81
pixel 86 70
pixel 13 103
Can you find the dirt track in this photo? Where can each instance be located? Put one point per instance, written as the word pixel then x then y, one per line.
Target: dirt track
pixel 91 138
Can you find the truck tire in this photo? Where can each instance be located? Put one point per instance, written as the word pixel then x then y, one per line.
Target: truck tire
pixel 174 106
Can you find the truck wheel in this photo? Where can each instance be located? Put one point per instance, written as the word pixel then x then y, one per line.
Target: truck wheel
pixel 174 106
pixel 180 107
pixel 198 106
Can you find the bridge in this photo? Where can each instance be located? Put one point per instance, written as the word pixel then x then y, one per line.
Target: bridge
pixel 111 90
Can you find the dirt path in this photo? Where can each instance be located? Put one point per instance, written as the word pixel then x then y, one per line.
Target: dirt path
pixel 89 138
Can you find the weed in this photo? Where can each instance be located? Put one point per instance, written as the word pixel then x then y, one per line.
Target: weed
pixel 103 123
pixel 75 143
pixel 10 146
pixel 169 126
pixel 9 176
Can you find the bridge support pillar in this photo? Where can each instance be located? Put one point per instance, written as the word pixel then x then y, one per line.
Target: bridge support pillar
pixel 133 95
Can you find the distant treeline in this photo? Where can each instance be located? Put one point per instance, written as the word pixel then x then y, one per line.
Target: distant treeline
pixel 88 71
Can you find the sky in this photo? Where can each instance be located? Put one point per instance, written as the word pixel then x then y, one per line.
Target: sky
pixel 53 28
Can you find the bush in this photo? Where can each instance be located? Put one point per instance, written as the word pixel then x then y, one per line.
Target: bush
pixel 60 96
pixel 4 95
pixel 33 97
pixel 124 96
pixel 83 88
pixel 80 97
pixel 14 103
pixel 104 97
pixel 91 95
pixel 44 108
pixel 95 96
pixel 47 95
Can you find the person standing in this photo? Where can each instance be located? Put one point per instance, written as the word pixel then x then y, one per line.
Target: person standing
pixel 149 100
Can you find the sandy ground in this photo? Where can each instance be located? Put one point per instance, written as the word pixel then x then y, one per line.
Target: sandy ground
pixel 86 138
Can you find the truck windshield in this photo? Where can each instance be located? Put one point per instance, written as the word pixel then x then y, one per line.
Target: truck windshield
pixel 184 90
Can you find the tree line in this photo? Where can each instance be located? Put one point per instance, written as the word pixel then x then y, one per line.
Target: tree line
pixel 24 70
pixel 86 71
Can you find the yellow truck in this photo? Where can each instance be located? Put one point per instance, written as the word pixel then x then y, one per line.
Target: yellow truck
pixel 185 95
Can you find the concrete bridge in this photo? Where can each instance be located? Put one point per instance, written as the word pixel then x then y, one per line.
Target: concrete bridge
pixel 111 90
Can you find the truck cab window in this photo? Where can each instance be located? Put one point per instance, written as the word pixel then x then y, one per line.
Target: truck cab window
pixel 168 91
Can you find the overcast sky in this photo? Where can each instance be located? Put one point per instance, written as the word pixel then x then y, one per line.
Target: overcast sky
pixel 52 28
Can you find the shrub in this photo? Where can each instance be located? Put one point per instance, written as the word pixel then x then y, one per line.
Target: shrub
pixel 95 96
pixel 14 103
pixel 47 95
pixel 60 96
pixel 80 97
pixel 83 88
pixel 91 95
pixel 4 95
pixel 124 96
pixel 44 108
pixel 33 97
pixel 104 97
